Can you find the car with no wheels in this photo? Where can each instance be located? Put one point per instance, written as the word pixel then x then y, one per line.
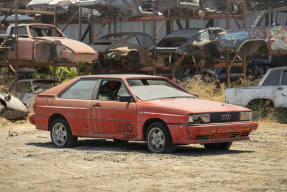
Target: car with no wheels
pixel 138 108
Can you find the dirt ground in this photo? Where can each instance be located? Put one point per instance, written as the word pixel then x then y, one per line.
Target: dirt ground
pixel 29 162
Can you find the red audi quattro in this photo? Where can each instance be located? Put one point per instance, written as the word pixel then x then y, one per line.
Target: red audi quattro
pixel 138 108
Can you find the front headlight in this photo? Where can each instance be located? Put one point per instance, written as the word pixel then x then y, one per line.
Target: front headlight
pixel 199 118
pixel 245 116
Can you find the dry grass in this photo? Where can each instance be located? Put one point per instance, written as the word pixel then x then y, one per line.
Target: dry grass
pixel 207 89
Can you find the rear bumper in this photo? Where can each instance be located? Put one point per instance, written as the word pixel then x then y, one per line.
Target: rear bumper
pixel 31 119
pixel 212 133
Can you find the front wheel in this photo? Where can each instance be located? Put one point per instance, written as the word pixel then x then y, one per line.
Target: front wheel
pixel 218 146
pixel 61 134
pixel 159 139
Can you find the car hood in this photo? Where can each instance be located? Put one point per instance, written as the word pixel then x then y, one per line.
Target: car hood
pixel 194 105
pixel 76 46
pixel 13 103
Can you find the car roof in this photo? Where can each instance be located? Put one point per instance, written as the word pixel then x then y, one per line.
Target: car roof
pixel 123 76
pixel 32 80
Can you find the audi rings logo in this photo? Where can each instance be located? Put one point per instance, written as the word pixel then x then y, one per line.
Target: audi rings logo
pixel 225 117
pixel 123 127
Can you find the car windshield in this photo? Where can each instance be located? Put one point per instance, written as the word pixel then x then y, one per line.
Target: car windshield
pixel 158 92
pixel 184 33
pixel 114 37
pixel 45 31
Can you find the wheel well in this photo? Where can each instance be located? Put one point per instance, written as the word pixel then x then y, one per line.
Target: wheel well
pixel 148 123
pixel 253 47
pixel 54 117
pixel 3 103
pixel 260 101
pixel 131 53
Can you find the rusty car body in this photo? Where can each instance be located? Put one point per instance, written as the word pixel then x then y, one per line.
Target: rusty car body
pixel 138 108
pixel 12 108
pixel 187 8
pixel 48 5
pixel 268 35
pixel 271 91
pixel 126 49
pixel 43 43
pixel 111 9
pixel 191 45
pixel 9 3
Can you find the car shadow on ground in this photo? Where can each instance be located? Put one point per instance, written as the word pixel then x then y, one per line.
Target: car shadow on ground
pixel 138 147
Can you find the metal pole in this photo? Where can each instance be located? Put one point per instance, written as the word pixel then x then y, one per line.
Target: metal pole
pixel 244 54
pixel 56 15
pixel 92 32
pixel 227 53
pixel 16 47
pixel 154 33
pixel 80 23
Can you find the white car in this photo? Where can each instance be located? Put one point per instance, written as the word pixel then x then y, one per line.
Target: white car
pixel 271 91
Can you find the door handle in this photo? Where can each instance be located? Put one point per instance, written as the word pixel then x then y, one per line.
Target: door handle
pixel 97 105
pixel 280 88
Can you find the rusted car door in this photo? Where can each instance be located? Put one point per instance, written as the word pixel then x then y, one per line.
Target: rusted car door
pixel 110 117
pixel 25 50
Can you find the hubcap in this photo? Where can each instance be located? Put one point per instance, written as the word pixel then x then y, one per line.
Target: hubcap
pixel 156 139
pixel 59 134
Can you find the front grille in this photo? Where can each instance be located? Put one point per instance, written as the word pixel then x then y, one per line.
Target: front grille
pixel 219 135
pixel 216 117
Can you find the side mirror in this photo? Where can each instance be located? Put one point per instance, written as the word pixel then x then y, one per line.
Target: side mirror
pixel 125 98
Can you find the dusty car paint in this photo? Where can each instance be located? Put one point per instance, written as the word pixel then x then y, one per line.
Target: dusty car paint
pixel 110 9
pixel 276 93
pixel 48 48
pixel 194 45
pixel 119 51
pixel 12 108
pixel 268 39
pixel 105 118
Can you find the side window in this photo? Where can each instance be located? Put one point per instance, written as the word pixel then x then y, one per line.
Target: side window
pixel 266 20
pixel 204 36
pixel 24 87
pixel 145 40
pixel 133 40
pixel 110 90
pixel 284 78
pixel 281 18
pixel 82 89
pixel 274 78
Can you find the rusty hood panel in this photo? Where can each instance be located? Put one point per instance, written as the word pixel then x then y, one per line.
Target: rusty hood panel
pixel 77 46
pixel 196 105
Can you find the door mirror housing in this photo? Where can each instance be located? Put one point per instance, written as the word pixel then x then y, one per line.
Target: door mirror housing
pixel 125 98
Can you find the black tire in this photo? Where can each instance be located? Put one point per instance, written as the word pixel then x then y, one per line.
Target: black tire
pixel 133 60
pixel 158 138
pixel 120 141
pixel 61 134
pixel 218 146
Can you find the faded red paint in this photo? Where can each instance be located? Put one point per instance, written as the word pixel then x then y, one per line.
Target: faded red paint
pixel 100 119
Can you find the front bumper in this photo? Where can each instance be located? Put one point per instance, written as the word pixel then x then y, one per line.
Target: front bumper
pixel 212 133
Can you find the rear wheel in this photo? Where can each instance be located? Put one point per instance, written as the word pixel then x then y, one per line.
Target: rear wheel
pixel 218 146
pixel 159 139
pixel 61 134
pixel 132 60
